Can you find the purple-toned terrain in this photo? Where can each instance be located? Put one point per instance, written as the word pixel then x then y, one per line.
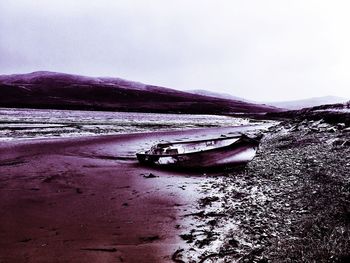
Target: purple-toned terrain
pixel 63 91
pixel 87 199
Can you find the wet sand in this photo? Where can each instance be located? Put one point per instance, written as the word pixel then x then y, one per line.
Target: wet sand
pixel 87 200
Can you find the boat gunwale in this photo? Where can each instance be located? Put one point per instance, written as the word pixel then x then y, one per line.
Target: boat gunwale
pixel 204 151
pixel 204 140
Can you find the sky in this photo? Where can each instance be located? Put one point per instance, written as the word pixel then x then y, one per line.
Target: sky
pixel 269 50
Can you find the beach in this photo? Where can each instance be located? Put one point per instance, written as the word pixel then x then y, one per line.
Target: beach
pixel 88 200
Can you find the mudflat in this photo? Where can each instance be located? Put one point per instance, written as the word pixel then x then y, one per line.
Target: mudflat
pixel 88 199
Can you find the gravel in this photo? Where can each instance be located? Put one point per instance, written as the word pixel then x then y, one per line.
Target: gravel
pixel 290 204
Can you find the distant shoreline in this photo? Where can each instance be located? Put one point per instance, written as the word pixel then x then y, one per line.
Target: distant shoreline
pixel 93 109
pixel 18 124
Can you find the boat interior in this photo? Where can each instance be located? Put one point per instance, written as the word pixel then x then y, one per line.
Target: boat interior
pixel 189 147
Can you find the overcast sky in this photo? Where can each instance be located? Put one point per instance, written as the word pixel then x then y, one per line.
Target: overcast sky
pixel 256 49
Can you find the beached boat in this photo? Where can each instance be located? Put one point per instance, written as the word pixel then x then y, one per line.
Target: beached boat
pixel 223 151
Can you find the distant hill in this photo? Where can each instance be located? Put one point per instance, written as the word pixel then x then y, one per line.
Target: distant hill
pixel 286 105
pixel 216 95
pixel 307 103
pixel 332 113
pixel 45 89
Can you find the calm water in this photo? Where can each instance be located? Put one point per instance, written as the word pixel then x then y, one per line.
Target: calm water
pixel 34 123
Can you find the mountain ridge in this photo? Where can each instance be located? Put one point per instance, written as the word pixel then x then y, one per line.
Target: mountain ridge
pixel 287 105
pixel 46 89
pixel 308 102
pixel 217 95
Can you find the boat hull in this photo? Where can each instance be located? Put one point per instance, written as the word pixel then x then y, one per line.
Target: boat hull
pixel 237 154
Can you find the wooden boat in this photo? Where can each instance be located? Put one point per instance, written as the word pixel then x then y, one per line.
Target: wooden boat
pixel 223 151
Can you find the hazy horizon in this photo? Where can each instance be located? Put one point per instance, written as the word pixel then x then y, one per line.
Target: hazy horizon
pixel 274 50
pixel 214 92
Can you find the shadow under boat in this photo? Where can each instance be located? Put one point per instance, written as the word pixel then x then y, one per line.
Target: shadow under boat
pixel 224 153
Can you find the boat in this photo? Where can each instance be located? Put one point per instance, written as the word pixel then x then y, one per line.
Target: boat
pixel 224 151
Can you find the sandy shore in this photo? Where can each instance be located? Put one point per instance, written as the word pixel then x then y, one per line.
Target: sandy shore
pixel 86 200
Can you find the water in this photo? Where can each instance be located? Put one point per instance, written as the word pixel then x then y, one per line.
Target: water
pixel 37 123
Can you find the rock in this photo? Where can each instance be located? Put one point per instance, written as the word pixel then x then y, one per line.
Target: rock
pixel 341 142
pixel 233 242
pixel 208 200
pixel 150 175
pixel 331 129
pixel 341 126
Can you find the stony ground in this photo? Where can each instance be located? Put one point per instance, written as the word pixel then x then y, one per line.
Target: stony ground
pixel 290 204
